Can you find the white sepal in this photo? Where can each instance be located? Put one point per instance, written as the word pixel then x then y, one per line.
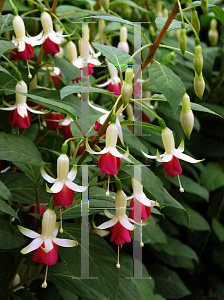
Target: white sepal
pixel 109 223
pixel 27 232
pixel 65 242
pixel 108 214
pixel 125 223
pixel 75 187
pixel 57 187
pixel 46 176
pixel 72 173
pixel 32 246
pixel 185 157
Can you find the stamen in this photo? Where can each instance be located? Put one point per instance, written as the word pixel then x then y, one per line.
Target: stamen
pixel 61 229
pixel 108 186
pixel 141 242
pixel 41 126
pixel 29 74
pixel 118 264
pixel 181 188
pixel 44 284
pixel 6 169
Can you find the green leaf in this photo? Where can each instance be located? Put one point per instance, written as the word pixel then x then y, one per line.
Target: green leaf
pixel 212 176
pixel 32 172
pixel 4 207
pixel 68 70
pixel 7 72
pixel 167 282
pixel 119 58
pixel 4 192
pixel 132 4
pixel 218 229
pixel 160 21
pixel 18 4
pixel 5 45
pixel 152 233
pixel 8 239
pixel 199 107
pixel 6 23
pixel 209 56
pixel 71 89
pixel 19 149
pixel 102 261
pixel 142 124
pixel 175 248
pixel 22 189
pixel 219 13
pixel 168 83
pixel 190 186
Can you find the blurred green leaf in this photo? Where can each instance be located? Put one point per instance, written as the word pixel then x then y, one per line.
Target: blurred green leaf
pixel 160 21
pixel 212 176
pixel 4 207
pixel 71 89
pixel 219 13
pixel 4 192
pixel 68 70
pixel 218 229
pixel 5 45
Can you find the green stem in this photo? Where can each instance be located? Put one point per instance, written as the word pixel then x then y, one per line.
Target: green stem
pixel 29 12
pixel 177 49
pixel 14 67
pixel 62 25
pixel 192 27
pixel 181 12
pixel 142 105
pixel 136 52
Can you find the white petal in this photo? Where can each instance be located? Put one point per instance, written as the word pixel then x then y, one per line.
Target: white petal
pixel 9 108
pixel 21 46
pixel 149 156
pixel 48 244
pixel 185 157
pixel 109 223
pixel 52 36
pixel 165 158
pixel 57 225
pixel 32 246
pixel 103 118
pixel 181 147
pixel 35 111
pixel 131 197
pixel 104 84
pixel 108 214
pixel 115 152
pixel 75 187
pixel 125 223
pixel 67 121
pixel 57 186
pixel 22 111
pixel 7 104
pixel 120 133
pixel 46 176
pixel 65 242
pixel 141 197
pixel 72 173
pixel 27 232
pixel 105 150
pixel 103 111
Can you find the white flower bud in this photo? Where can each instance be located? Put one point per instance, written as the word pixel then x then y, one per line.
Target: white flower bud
pixel 111 136
pixel 21 87
pixel 62 167
pixel 72 52
pixel 168 140
pixel 48 224
pixel 19 27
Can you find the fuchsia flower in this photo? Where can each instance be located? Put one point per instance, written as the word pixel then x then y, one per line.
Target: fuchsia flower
pixel 109 162
pixel 53 120
pixel 123 44
pixel 114 83
pixel 20 116
pixel 63 186
pixel 172 155
pixel 66 130
pixel 46 244
pixel 24 50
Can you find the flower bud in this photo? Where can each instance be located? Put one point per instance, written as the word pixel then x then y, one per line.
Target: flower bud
pixel 194 20
pixel 187 116
pixel 183 38
pixel 127 89
pixel 105 4
pixel 204 6
pixel 152 33
pixel 127 11
pixel 165 13
pixel 198 58
pixel 72 52
pixel 177 34
pixel 213 34
pixel 123 45
pixel 159 9
pixel 199 85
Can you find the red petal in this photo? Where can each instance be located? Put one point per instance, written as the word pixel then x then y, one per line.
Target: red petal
pixel 172 167
pixel 66 130
pixel 51 257
pixel 50 47
pixel 22 55
pixel 139 211
pixel 64 197
pixel 17 121
pixel 120 235
pixel 53 125
pixel 116 88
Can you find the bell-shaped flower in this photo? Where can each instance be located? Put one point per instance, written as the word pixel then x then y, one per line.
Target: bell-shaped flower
pixel 86 58
pixel 66 129
pixel 20 116
pixel 50 38
pixel 46 244
pixel 110 159
pixel 123 44
pixel 114 83
pixel 24 50
pixel 53 120
pixel 172 155
pixel 63 186
pixel 140 203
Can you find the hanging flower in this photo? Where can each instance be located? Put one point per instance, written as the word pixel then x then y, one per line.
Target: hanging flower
pixel 50 38
pixel 53 120
pixel 114 83
pixel 20 116
pixel 123 44
pixel 24 50
pixel 63 187
pixel 140 203
pixel 172 155
pixel 66 130
pixel 46 244
pixel 72 56
pixel 110 161
pixel 55 72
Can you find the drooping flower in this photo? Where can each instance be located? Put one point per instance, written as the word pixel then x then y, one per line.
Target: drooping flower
pixel 114 83
pixel 55 72
pixel 66 130
pixel 172 155
pixel 109 162
pixel 123 44
pixel 20 116
pixel 63 186
pixel 46 244
pixel 24 50
pixel 53 120
pixel 72 56
pixel 50 38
